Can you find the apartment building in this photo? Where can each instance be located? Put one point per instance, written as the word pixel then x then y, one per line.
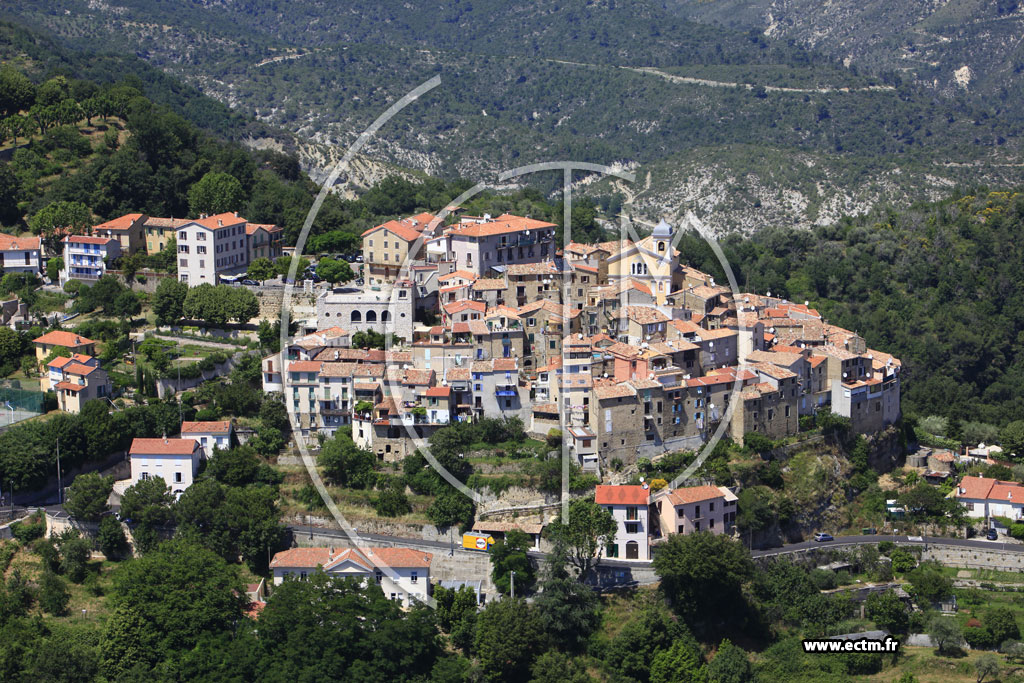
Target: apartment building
pixel 477 246
pixel 158 232
pixel 126 230
pixel 389 246
pixel 266 240
pixel 211 247
pixel 87 258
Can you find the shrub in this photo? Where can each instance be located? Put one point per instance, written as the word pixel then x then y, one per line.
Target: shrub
pixel 53 594
pixel 29 529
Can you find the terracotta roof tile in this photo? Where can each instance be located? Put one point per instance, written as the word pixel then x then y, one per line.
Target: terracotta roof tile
pixel 621 495
pixel 206 427
pixel 163 446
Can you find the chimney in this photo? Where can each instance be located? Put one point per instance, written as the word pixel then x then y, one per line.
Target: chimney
pixel 220 223
pixel 236 214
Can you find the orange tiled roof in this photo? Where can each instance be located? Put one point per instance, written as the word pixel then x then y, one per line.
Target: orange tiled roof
pixel 10 242
pixel 694 494
pixel 68 340
pixel 121 223
pixel 220 221
pixel 206 427
pixel 621 495
pixel 163 446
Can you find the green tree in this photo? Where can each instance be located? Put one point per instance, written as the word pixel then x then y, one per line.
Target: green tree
pixel 1011 438
pixel 166 601
pixel 1002 624
pixel 569 611
pixel 508 638
pixel 928 584
pixel 986 666
pixel 111 539
pixel 456 614
pixel 392 502
pixel 730 665
pixel 74 556
pixel 58 219
pixel 509 555
pixel 334 271
pixel 53 594
pixel 147 506
pixel 887 611
pixel 216 192
pixel 557 667
pixel 902 560
pixel 345 464
pixel 17 93
pixel 53 268
pixel 87 496
pixel 680 663
pixel 168 300
pixel 650 630
pixel 702 573
pixel 262 269
pixel 589 529
pixel 242 305
pixel 450 508
pixel 945 634
pixel 237 466
pixel 336 625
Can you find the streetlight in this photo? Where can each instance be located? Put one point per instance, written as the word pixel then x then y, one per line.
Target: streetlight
pixel 512 579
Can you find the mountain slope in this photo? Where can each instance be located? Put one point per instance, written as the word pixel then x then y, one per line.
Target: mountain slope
pixel 600 82
pixel 928 41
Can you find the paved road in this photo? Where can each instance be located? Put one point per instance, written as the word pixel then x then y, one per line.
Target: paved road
pixel 902 540
pixel 841 542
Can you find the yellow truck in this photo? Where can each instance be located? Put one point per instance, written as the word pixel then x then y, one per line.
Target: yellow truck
pixel 477 541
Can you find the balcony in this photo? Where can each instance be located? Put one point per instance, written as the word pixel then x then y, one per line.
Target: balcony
pixel 505 390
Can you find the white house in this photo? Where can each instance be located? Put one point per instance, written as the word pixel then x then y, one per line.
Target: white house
pixel 210 434
pixel 984 498
pixel 402 573
pixel 86 257
pixel 176 461
pixel 629 508
pixel 19 254
pixel 210 247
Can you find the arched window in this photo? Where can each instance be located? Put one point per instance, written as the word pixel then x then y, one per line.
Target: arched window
pixel 385 316
pixel 371 316
pixel 661 246
pixel 356 317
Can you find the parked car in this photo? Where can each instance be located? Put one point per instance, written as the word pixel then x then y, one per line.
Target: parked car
pixel 360 282
pixel 359 257
pixel 992 535
pixel 250 283
pixel 821 537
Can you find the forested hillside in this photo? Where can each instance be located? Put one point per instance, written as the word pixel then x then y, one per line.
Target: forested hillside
pixel 746 130
pixel 937 285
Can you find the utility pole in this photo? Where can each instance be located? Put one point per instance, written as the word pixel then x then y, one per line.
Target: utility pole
pixel 512 578
pixel 451 543
pixel 60 488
